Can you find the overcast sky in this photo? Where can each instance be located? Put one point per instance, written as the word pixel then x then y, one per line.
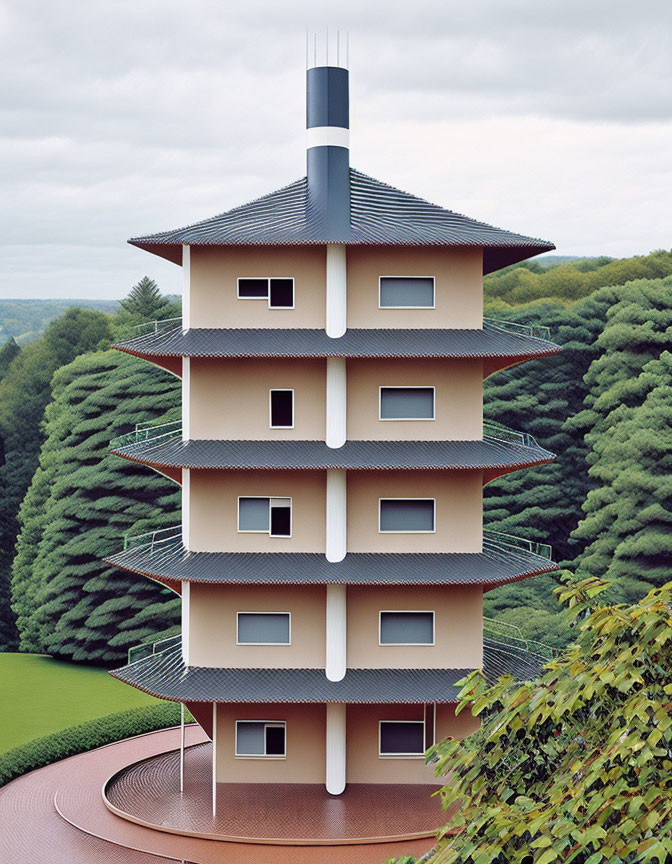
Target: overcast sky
pixel 126 117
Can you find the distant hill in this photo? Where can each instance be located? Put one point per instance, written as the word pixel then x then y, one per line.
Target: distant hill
pixel 25 320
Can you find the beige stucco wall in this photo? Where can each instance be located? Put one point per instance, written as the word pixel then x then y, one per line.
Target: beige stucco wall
pixel 458 399
pixel 213 521
pixel 305 745
pixel 459 520
pixel 212 625
pixel 364 765
pixel 229 399
pixel 458 286
pixel 213 285
pixel 458 627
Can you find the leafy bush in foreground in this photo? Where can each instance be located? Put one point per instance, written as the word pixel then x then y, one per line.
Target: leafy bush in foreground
pixel 86 736
pixel 577 765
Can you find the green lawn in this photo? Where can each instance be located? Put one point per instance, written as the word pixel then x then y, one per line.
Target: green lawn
pixel 41 695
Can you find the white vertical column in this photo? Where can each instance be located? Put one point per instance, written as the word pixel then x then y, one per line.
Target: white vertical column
pixel 186 286
pixel 336 632
pixel 186 402
pixel 185 623
pixel 186 506
pixel 337 402
pixel 336 525
pixel 337 292
pixel 181 747
pixel 336 752
pixel 214 759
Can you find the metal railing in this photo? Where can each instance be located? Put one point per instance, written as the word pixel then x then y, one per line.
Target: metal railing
pixel 157 432
pixel 499 432
pixel 536 330
pixel 158 326
pixel 154 541
pixel 497 540
pixel 146 649
pixel 509 634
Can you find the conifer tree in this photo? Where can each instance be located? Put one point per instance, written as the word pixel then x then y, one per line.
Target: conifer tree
pixel 145 300
pixel 81 503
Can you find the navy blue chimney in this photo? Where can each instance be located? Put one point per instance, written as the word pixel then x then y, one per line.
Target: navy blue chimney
pixel 328 154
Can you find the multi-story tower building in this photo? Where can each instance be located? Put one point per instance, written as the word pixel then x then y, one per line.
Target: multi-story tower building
pixel 332 455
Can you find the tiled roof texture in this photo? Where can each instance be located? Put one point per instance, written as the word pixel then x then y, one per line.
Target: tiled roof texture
pixel 488 342
pixel 380 215
pixel 165 675
pixel 490 568
pixel 353 455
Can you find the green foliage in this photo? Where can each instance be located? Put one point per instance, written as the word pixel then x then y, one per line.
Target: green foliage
pixel 24 392
pixel 26 319
pixel 7 353
pixel 87 736
pixel 626 422
pixel 144 303
pixel 80 503
pixel 576 765
pixel 570 281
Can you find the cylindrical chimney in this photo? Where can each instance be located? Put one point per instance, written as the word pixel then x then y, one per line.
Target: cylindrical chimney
pixel 328 156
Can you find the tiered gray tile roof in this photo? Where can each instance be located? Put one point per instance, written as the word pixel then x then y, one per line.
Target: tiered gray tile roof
pixel 487 454
pixel 380 215
pixel 490 568
pixel 165 675
pixel 491 342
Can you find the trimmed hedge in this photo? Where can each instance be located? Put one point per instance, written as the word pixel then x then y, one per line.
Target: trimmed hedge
pixel 86 736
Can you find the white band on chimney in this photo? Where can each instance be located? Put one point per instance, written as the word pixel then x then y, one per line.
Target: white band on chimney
pixel 327 136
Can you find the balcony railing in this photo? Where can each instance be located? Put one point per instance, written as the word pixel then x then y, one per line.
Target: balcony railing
pixel 159 432
pixel 153 541
pixel 497 541
pixel 536 330
pixel 508 634
pixel 157 326
pixel 146 649
pixel 498 432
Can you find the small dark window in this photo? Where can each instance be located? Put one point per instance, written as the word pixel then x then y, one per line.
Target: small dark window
pixel 282 294
pixel 260 739
pixel 407 292
pixel 281 520
pixel 282 409
pixel 263 628
pixel 275 740
pixel 406 628
pixel 253 288
pixel 266 515
pixel 407 514
pixel 402 738
pixel 406 403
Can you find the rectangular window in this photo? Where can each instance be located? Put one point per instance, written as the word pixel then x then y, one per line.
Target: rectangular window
pixel 265 516
pixel 401 738
pixel 406 403
pixel 406 628
pixel 279 292
pixel 407 515
pixel 264 628
pixel 260 738
pixel 406 292
pixel 282 409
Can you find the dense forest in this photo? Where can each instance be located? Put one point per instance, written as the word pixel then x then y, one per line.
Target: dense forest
pixel 603 406
pixel 26 320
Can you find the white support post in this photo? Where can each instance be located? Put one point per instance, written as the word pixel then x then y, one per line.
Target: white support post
pixel 336 752
pixel 337 290
pixel 214 760
pixel 186 402
pixel 337 402
pixel 181 747
pixel 186 505
pixel 185 623
pixel 186 286
pixel 336 514
pixel 336 632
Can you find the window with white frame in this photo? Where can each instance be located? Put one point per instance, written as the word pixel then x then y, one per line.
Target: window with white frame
pixel 281 406
pixel 263 628
pixel 261 738
pixel 406 403
pixel 406 628
pixel 401 738
pixel 271 516
pixel 407 515
pixel 406 292
pixel 278 292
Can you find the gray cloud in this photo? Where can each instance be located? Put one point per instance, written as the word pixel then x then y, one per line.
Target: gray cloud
pixel 119 118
